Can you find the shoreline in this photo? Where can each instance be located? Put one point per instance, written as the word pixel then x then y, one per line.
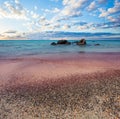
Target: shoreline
pixel 84 86
pixel 61 56
pixel 60 65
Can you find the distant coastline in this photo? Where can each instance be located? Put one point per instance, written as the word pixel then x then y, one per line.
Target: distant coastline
pixel 57 35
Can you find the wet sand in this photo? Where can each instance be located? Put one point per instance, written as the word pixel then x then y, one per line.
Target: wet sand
pixel 79 86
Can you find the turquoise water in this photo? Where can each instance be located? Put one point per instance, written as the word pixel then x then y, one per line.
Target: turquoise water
pixel 18 48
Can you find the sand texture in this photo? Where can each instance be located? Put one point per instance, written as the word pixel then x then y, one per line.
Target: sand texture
pixel 84 86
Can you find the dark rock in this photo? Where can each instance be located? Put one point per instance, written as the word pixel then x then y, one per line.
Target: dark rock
pixel 62 42
pixel 97 44
pixel 81 42
pixel 53 43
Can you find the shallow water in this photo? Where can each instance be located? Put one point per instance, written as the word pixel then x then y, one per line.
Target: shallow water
pixel 18 48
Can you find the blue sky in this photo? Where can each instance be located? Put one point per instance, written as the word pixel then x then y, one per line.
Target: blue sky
pixel 19 19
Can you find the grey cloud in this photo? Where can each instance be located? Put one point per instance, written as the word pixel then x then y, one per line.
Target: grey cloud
pixel 71 35
pixel 106 25
pixel 102 1
pixel 80 23
pixel 11 32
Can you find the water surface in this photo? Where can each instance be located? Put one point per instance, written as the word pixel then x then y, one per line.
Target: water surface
pixel 18 48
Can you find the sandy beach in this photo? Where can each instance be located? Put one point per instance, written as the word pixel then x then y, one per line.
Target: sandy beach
pixel 78 86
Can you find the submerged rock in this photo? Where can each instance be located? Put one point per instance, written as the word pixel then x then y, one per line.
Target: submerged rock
pixel 53 43
pixel 66 42
pixel 81 42
pixel 61 42
pixel 97 44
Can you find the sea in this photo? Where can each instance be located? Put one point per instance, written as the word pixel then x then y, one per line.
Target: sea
pixel 21 48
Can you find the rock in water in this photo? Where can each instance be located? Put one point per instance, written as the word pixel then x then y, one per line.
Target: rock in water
pixel 62 42
pixel 97 44
pixel 53 43
pixel 81 42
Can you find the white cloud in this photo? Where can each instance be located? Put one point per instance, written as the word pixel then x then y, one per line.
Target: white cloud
pixel 82 27
pixel 35 7
pixel 42 19
pixel 62 17
pixel 56 25
pixel 92 6
pixel 46 10
pixel 12 34
pixel 66 27
pixel 86 26
pixel 13 11
pixel 71 8
pixel 115 9
pixel 70 12
pixel 103 13
pixel 56 10
pixel 17 1
pixel 112 19
pixel 109 11
pixel 34 15
pixel 74 3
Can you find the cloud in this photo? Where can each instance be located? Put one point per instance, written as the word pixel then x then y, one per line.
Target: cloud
pixel 71 9
pixel 56 35
pixel 109 11
pixel 82 27
pixel 71 35
pixel 17 1
pixel 112 19
pixel 70 12
pixel 101 26
pixel 65 15
pixel 104 13
pixel 11 32
pixel 13 10
pixel 66 27
pixel 102 1
pixel 12 37
pixel 34 15
pixel 92 6
pixel 107 25
pixel 81 23
pixel 85 26
pixel 54 10
pixel 43 21
pixel 35 7
pixel 74 3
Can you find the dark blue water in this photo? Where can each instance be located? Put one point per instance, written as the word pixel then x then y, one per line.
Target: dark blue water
pixel 18 48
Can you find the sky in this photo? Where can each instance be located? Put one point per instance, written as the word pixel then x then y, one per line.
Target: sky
pixel 23 19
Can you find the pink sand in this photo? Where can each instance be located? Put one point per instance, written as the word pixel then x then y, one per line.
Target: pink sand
pixel 55 66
